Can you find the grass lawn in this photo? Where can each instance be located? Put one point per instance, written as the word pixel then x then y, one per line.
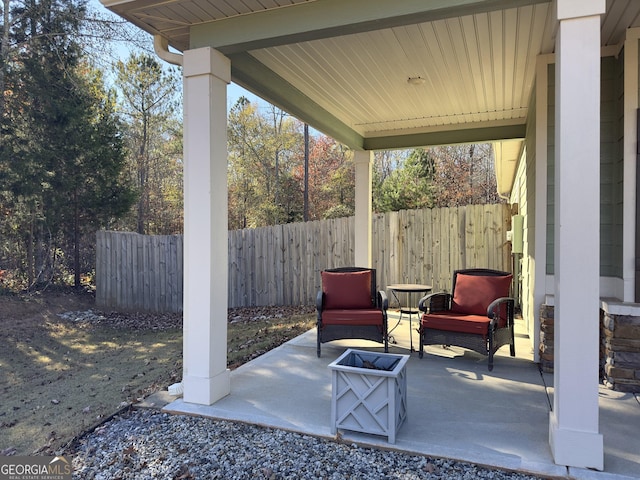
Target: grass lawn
pixel 60 377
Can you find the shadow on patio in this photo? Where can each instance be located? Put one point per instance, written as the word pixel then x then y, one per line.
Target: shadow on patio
pixel 456 407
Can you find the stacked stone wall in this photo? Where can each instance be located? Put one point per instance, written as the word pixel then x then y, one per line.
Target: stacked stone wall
pixel 546 338
pixel 620 349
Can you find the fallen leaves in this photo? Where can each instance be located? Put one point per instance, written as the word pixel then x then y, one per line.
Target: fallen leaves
pixel 429 468
pixel 129 450
pixel 183 473
pixel 95 367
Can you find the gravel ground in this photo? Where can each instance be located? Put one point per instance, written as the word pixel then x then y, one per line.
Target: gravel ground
pixel 145 444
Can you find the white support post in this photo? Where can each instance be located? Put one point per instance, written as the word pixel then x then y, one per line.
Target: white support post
pixel 629 226
pixel 363 162
pixel 539 270
pixel 573 424
pixel 206 378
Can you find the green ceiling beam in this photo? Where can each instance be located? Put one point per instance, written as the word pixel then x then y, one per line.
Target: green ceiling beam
pixel 247 72
pixel 329 18
pixel 449 137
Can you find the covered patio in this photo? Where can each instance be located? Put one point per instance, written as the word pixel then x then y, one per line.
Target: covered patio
pixel 457 409
pixel 375 74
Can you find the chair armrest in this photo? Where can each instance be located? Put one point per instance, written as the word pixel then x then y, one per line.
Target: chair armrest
pixel 435 302
pixel 383 301
pixel 493 310
pixel 319 299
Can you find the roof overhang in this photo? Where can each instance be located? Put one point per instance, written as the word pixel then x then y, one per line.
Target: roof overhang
pixel 345 66
pixel 507 154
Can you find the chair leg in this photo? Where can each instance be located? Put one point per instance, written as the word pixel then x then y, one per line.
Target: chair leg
pixel 491 333
pixel 512 346
pixel 318 344
pixel 421 351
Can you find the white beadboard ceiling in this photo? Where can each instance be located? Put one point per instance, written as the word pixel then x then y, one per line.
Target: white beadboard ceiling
pixel 343 65
pixel 471 73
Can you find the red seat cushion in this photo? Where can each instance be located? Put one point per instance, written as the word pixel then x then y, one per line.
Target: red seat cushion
pixel 352 317
pixel 457 322
pixel 474 293
pixel 344 290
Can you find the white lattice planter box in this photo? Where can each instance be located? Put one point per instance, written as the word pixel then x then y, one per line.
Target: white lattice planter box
pixel 369 392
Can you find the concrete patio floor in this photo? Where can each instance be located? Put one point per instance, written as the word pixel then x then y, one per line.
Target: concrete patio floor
pixel 456 408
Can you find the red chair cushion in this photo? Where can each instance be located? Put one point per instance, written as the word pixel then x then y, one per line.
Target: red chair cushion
pixel 345 290
pixel 352 317
pixel 474 293
pixel 457 322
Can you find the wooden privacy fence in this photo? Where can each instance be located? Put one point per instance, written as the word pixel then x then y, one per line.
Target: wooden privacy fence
pixel 281 265
pixel 139 272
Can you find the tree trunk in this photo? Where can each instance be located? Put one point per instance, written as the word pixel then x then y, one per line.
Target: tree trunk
pixel 30 251
pixel 4 51
pixel 306 172
pixel 76 248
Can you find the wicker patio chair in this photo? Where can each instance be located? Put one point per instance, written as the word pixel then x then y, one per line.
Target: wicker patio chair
pixel 349 306
pixel 477 314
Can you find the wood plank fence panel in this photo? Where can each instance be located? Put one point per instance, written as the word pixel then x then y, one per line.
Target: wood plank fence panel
pixel 260 266
pixel 319 259
pixel 139 272
pixel 426 272
pixel 436 251
pixel 416 251
pixel 310 264
pixel 117 252
pixel 281 265
pixel 379 261
pixel 233 244
pixel 403 246
pixel 305 243
pixel 249 267
pixel 455 259
pixel 293 263
pixel 291 272
pixel 391 237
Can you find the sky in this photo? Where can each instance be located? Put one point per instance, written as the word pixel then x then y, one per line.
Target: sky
pixel 233 91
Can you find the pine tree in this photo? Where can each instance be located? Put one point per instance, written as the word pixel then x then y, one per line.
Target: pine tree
pixel 149 106
pixel 61 155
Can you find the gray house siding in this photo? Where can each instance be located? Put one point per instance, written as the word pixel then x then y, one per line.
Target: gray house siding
pixel 611 167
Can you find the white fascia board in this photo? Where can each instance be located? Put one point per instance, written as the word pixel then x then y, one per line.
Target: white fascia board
pixel 112 3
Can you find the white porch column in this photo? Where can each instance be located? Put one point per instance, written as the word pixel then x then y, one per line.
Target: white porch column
pixel 206 75
pixel 573 424
pixel 363 161
pixel 629 226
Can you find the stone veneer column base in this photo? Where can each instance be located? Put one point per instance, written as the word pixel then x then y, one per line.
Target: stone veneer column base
pixel 546 338
pixel 619 348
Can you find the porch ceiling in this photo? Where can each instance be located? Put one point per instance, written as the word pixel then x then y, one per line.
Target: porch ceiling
pixel 343 65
